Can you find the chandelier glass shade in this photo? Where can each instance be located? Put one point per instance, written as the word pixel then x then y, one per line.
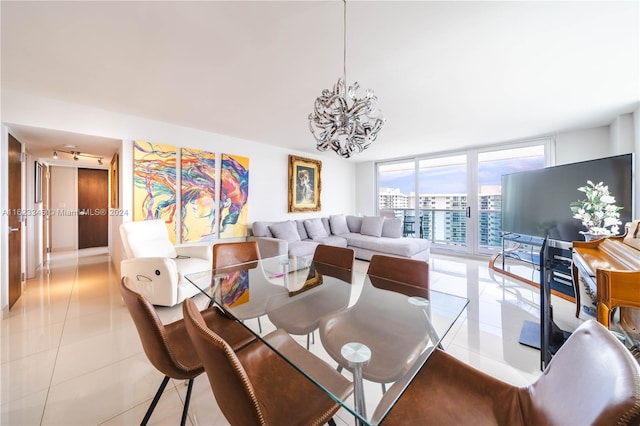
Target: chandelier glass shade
pixel 342 121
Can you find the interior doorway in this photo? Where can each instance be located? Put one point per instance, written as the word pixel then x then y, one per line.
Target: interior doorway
pixel 93 208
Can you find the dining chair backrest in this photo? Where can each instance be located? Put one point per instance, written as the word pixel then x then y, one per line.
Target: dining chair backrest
pixel 340 257
pixel 227 254
pixel 231 385
pixel 155 339
pixel 407 276
pixel 334 261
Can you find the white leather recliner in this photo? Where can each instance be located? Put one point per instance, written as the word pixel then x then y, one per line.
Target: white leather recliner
pixel 155 267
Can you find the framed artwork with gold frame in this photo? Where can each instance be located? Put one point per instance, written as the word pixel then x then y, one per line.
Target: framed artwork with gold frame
pixel 305 184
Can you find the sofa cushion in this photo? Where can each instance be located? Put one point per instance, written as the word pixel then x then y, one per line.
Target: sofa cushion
pixel 354 223
pixel 372 225
pixel 315 228
pixel 338 224
pixel 392 227
pixel 325 223
pixel 302 248
pixel 301 229
pixel 333 240
pixel 261 229
pixel 285 231
pixel 406 247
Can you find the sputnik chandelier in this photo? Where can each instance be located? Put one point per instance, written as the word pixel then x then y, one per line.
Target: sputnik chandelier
pixel 343 128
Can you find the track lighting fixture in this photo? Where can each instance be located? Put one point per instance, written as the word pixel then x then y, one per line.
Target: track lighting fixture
pixel 77 154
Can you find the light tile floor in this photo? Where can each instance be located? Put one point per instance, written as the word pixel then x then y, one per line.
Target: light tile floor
pixel 70 354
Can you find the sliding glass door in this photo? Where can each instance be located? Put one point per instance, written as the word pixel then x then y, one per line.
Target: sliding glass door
pixel 442 185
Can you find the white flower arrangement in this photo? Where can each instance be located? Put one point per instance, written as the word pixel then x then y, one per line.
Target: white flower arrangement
pixel 598 211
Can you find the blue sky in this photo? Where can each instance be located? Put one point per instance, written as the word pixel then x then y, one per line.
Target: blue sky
pixel 452 179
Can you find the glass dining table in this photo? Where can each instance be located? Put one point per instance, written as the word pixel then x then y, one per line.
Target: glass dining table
pixel 374 330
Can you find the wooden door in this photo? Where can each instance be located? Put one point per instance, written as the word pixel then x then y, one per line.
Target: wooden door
pixel 15 224
pixel 93 208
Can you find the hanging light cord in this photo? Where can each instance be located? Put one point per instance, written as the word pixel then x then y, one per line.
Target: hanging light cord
pixel 344 45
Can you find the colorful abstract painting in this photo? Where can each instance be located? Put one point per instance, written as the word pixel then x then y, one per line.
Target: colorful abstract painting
pixel 154 183
pixel 234 196
pixel 198 182
pixel 234 288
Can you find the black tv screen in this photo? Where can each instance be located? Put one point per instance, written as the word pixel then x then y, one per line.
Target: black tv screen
pixel 536 203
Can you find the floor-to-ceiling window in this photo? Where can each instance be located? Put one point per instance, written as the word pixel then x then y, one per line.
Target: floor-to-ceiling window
pixel 453 200
pixel 396 192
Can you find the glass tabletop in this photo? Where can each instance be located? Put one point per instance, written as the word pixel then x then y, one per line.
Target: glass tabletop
pixel 373 329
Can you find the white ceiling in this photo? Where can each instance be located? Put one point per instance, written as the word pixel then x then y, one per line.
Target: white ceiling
pixel 447 74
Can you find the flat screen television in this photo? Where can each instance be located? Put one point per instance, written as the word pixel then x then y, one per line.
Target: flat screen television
pixel 536 202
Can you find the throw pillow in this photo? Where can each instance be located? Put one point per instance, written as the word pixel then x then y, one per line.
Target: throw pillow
pixel 392 227
pixel 354 223
pixel 285 231
pixel 315 228
pixel 372 225
pixel 338 224
pixel 301 229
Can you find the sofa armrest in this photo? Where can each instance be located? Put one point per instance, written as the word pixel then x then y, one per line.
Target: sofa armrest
pixel 271 247
pixel 200 251
pixel 156 278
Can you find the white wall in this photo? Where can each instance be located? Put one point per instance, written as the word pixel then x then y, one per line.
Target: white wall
pixel 268 165
pixel 582 145
pixel 33 220
pixel 622 135
pixel 366 197
pixel 64 201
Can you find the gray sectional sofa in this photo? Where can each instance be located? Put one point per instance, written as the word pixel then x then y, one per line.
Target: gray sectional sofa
pixel 366 235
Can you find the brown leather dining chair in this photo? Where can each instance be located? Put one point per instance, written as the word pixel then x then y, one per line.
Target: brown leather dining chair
pixel 414 274
pixel 242 253
pixel 227 254
pixel 374 313
pixel 301 315
pixel 256 386
pixel 334 261
pixel 591 380
pixel 168 347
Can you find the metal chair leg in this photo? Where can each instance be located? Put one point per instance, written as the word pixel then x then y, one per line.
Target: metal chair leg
pixel 155 401
pixel 185 410
pixel 313 339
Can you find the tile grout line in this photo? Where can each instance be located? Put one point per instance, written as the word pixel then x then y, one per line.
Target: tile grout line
pixel 64 324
